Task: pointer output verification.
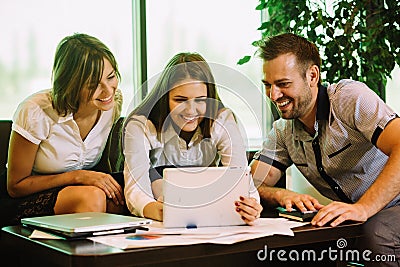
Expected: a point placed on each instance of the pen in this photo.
(142, 228)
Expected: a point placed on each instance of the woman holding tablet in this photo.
(181, 122)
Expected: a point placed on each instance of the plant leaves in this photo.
(244, 60)
(356, 40)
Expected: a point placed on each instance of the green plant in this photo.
(358, 39)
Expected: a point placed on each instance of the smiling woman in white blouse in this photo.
(59, 134)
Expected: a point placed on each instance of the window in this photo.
(392, 90)
(32, 29)
(222, 32)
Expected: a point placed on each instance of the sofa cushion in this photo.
(5, 130)
(112, 159)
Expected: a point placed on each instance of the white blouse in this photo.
(144, 148)
(61, 148)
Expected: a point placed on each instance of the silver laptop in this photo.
(203, 196)
(86, 224)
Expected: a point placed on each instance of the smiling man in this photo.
(342, 138)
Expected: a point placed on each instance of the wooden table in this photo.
(89, 253)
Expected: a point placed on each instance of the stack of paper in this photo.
(159, 236)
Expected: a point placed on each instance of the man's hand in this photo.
(292, 200)
(338, 212)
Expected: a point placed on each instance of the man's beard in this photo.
(299, 106)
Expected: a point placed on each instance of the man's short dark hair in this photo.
(305, 51)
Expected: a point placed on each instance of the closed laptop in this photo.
(86, 223)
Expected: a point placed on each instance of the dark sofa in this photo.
(5, 130)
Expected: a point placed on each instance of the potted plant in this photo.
(358, 39)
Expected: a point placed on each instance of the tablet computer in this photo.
(203, 196)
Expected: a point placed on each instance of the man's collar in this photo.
(323, 104)
(323, 109)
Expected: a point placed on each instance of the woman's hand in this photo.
(154, 210)
(104, 181)
(249, 209)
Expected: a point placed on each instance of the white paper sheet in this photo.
(36, 234)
